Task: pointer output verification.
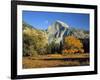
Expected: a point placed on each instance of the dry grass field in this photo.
(55, 60)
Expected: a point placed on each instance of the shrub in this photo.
(71, 42)
(72, 45)
(68, 51)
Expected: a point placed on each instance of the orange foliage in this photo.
(72, 43)
(73, 51)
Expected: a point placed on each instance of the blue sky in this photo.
(41, 20)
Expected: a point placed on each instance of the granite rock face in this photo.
(56, 32)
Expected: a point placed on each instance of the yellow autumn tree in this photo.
(70, 42)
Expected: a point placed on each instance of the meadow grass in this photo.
(55, 60)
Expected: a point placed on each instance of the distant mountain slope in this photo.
(81, 34)
(58, 30)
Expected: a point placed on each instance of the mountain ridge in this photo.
(58, 30)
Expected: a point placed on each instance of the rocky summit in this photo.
(56, 32)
